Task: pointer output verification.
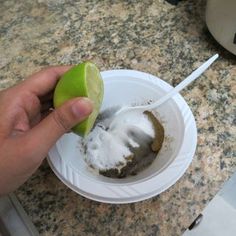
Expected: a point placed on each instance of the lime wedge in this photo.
(83, 80)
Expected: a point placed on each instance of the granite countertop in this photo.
(151, 36)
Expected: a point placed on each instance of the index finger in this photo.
(45, 80)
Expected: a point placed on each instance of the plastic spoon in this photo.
(193, 76)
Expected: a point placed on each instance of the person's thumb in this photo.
(60, 121)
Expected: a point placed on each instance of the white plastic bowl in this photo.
(126, 87)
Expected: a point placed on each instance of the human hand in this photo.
(27, 132)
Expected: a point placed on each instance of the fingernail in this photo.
(82, 107)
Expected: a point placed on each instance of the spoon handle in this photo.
(194, 75)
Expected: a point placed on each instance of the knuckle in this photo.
(61, 120)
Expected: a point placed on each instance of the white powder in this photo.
(107, 149)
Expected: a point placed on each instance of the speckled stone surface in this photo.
(150, 36)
